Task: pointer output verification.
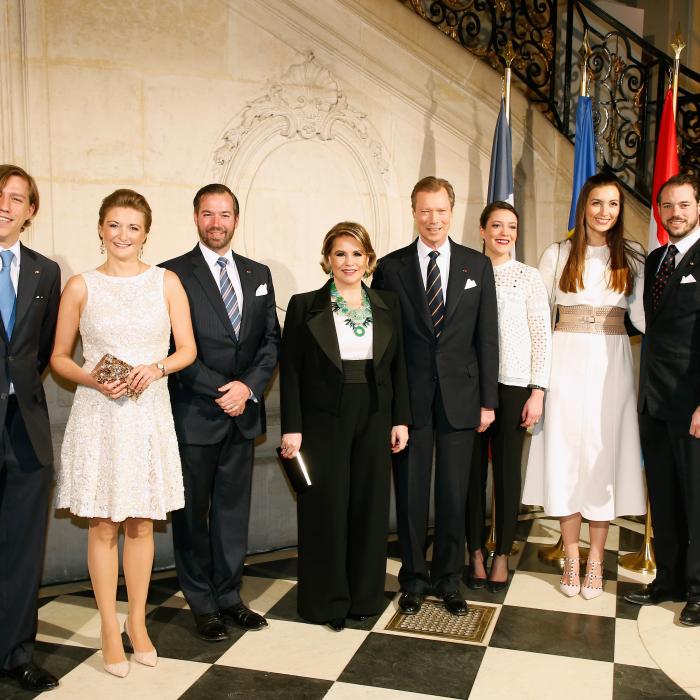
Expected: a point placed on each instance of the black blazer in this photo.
(24, 357)
(463, 362)
(669, 377)
(220, 357)
(311, 371)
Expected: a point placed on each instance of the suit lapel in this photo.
(245, 274)
(381, 326)
(29, 275)
(457, 279)
(689, 263)
(322, 327)
(413, 284)
(203, 275)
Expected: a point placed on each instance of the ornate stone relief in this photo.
(307, 103)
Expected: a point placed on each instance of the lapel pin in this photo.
(248, 271)
(691, 264)
(37, 272)
(464, 269)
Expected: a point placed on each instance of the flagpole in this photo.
(584, 53)
(508, 56)
(677, 45)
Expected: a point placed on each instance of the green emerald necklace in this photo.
(357, 319)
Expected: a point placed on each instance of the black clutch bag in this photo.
(295, 470)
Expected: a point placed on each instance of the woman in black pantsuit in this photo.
(524, 338)
(344, 392)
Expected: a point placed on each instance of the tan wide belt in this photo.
(608, 320)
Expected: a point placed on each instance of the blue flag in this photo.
(501, 173)
(584, 153)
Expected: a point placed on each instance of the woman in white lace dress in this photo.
(524, 339)
(585, 459)
(119, 460)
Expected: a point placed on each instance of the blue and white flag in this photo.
(501, 174)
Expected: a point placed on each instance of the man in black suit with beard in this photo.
(30, 287)
(219, 410)
(448, 303)
(669, 400)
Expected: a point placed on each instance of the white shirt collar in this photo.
(212, 256)
(687, 242)
(424, 250)
(15, 248)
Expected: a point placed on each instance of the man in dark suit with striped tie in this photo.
(448, 303)
(219, 410)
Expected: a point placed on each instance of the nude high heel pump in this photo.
(120, 669)
(146, 658)
(588, 590)
(570, 589)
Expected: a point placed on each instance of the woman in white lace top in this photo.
(524, 338)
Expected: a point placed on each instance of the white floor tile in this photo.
(629, 648)
(350, 691)
(505, 673)
(261, 594)
(536, 590)
(294, 648)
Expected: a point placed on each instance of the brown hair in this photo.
(356, 231)
(130, 200)
(215, 188)
(496, 206)
(432, 184)
(621, 278)
(7, 171)
(679, 181)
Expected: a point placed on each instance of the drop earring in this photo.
(102, 246)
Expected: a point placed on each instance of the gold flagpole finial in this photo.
(677, 45)
(584, 52)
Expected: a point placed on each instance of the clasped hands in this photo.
(138, 380)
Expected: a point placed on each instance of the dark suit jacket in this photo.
(220, 357)
(669, 379)
(24, 357)
(463, 362)
(311, 371)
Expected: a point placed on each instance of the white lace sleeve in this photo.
(539, 323)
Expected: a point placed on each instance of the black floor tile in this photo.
(522, 529)
(415, 665)
(174, 636)
(630, 540)
(224, 683)
(635, 683)
(279, 568)
(552, 632)
(625, 610)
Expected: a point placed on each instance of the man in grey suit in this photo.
(30, 287)
(219, 410)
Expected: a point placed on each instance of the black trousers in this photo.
(672, 461)
(412, 471)
(343, 519)
(25, 485)
(210, 534)
(506, 438)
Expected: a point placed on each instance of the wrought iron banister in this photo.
(629, 75)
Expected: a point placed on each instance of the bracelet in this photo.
(535, 386)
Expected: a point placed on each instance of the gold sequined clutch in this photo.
(110, 369)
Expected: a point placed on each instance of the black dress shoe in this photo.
(336, 625)
(497, 586)
(359, 618)
(653, 595)
(409, 603)
(244, 617)
(475, 582)
(210, 627)
(690, 615)
(32, 677)
(455, 604)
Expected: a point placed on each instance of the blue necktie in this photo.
(8, 297)
(228, 294)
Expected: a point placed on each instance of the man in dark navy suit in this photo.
(219, 410)
(30, 287)
(448, 304)
(669, 400)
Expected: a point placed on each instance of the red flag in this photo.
(665, 166)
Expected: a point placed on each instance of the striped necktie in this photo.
(8, 297)
(433, 290)
(662, 276)
(228, 294)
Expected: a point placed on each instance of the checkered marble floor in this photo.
(539, 645)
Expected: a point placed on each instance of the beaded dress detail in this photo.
(120, 458)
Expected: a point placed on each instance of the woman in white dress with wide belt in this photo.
(120, 463)
(585, 457)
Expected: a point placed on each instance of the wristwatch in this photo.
(161, 367)
(535, 386)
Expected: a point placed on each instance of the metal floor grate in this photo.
(435, 621)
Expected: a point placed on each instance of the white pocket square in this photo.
(470, 283)
(261, 291)
(688, 279)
